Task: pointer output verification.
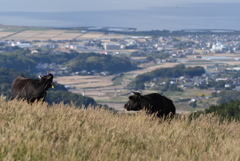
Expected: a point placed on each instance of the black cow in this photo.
(153, 103)
(31, 89)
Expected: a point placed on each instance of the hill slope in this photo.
(61, 132)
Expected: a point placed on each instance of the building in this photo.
(111, 46)
(219, 47)
(77, 47)
(48, 45)
(22, 45)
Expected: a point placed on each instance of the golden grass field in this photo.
(3, 34)
(53, 34)
(85, 81)
(61, 132)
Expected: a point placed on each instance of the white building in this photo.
(111, 46)
(219, 47)
(77, 47)
(22, 45)
(48, 45)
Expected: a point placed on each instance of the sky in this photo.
(94, 5)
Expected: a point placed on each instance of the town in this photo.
(217, 53)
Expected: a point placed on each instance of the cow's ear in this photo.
(49, 76)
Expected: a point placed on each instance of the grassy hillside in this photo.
(60, 132)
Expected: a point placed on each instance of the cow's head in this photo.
(47, 80)
(134, 102)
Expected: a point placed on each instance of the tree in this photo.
(174, 72)
(93, 61)
(228, 110)
(227, 96)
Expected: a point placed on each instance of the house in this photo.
(77, 47)
(48, 45)
(227, 85)
(197, 56)
(22, 45)
(111, 46)
(187, 85)
(219, 47)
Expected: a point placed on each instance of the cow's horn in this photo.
(136, 92)
(39, 76)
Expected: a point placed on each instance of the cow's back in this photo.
(19, 82)
(161, 103)
(18, 88)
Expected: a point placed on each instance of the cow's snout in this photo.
(52, 85)
(126, 106)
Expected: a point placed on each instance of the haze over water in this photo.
(189, 16)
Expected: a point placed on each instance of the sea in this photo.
(192, 16)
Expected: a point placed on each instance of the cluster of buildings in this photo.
(142, 45)
(202, 82)
(137, 46)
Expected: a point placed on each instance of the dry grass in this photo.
(55, 35)
(35, 35)
(91, 35)
(3, 34)
(86, 81)
(49, 34)
(58, 132)
(113, 36)
(24, 35)
(67, 36)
